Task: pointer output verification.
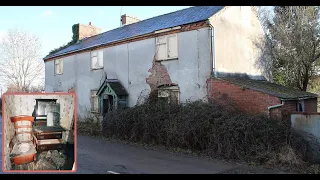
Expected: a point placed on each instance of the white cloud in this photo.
(46, 13)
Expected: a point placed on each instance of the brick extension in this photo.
(252, 101)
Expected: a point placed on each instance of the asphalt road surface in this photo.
(101, 156)
(96, 156)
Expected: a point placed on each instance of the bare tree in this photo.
(20, 58)
(290, 51)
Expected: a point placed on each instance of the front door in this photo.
(105, 105)
(110, 99)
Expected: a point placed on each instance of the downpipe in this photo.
(275, 106)
(213, 52)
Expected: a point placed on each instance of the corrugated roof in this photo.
(273, 89)
(177, 18)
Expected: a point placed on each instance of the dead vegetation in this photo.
(91, 126)
(210, 128)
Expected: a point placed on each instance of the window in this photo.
(94, 101)
(97, 59)
(58, 66)
(169, 94)
(167, 47)
(300, 106)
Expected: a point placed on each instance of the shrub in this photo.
(89, 126)
(209, 127)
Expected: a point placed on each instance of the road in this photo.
(97, 156)
(102, 156)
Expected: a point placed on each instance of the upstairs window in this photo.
(58, 66)
(167, 47)
(96, 59)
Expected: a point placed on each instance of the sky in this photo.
(53, 24)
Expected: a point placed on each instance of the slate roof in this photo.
(173, 19)
(115, 85)
(283, 92)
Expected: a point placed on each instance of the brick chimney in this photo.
(125, 20)
(85, 31)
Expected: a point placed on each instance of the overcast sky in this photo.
(53, 25)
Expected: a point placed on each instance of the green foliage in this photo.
(75, 38)
(292, 45)
(315, 88)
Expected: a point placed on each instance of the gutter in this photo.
(275, 106)
(213, 52)
(121, 40)
(298, 98)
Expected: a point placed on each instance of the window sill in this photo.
(58, 74)
(169, 59)
(93, 69)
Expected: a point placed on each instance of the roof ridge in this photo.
(140, 21)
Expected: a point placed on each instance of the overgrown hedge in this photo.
(215, 129)
(207, 127)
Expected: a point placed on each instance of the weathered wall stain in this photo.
(159, 75)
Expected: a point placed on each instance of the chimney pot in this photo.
(85, 30)
(125, 19)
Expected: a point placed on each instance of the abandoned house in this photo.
(201, 52)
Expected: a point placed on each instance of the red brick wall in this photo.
(310, 105)
(248, 100)
(254, 102)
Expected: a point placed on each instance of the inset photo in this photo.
(39, 132)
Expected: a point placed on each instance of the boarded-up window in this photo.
(94, 101)
(96, 59)
(167, 47)
(58, 66)
(169, 94)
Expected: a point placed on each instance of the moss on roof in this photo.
(267, 87)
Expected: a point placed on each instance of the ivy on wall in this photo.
(75, 38)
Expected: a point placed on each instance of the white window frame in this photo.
(168, 49)
(98, 54)
(58, 62)
(92, 96)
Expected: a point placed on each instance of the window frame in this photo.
(60, 63)
(98, 59)
(171, 94)
(167, 44)
(92, 110)
(300, 106)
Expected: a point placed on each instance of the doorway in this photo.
(107, 103)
